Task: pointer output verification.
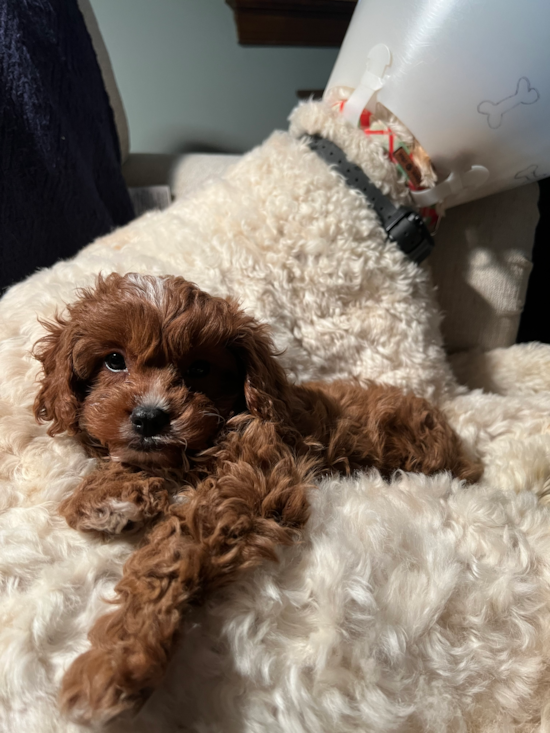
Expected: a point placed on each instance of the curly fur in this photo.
(243, 447)
(418, 608)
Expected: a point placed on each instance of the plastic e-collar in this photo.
(363, 97)
(378, 60)
(454, 183)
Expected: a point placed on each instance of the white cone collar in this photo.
(469, 78)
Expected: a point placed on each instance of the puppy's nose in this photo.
(149, 421)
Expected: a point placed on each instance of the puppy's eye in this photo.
(115, 362)
(198, 369)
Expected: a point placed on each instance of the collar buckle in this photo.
(407, 229)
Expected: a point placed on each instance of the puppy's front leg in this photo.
(254, 501)
(115, 499)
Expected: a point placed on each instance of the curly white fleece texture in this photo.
(417, 605)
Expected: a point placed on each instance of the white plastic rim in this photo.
(469, 78)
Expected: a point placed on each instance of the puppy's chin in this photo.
(167, 457)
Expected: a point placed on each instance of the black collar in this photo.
(403, 225)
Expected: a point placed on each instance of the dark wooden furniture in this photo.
(292, 23)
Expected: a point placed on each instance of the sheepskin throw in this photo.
(410, 606)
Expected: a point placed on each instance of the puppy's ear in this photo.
(57, 399)
(266, 387)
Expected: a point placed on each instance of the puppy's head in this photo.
(146, 368)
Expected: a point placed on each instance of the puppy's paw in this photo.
(113, 516)
(114, 500)
(90, 692)
(468, 470)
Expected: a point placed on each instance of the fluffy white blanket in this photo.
(418, 605)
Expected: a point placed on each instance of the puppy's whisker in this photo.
(217, 415)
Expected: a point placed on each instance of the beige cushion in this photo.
(481, 266)
(194, 171)
(184, 174)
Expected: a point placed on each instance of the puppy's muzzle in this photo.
(149, 421)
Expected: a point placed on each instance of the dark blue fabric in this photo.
(535, 323)
(60, 179)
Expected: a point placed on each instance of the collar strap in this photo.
(403, 225)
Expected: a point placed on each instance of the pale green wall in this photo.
(187, 85)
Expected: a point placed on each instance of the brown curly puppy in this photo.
(210, 447)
